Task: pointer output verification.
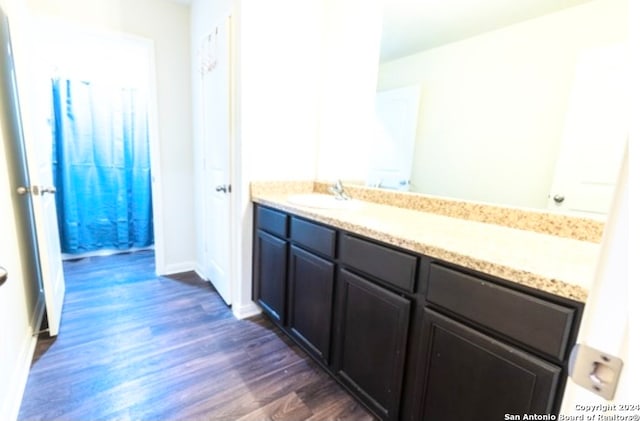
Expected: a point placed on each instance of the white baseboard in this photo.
(200, 272)
(11, 405)
(104, 252)
(245, 311)
(174, 268)
(19, 378)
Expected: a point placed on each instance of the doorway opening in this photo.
(101, 167)
(105, 163)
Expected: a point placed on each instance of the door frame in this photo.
(71, 30)
(607, 321)
(155, 158)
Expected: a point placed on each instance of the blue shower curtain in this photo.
(101, 167)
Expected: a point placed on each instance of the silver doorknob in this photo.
(3, 275)
(22, 190)
(558, 198)
(36, 190)
(223, 188)
(47, 189)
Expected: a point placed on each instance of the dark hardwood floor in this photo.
(136, 346)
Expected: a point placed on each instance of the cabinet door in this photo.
(270, 268)
(467, 375)
(370, 358)
(310, 298)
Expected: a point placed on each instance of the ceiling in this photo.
(410, 26)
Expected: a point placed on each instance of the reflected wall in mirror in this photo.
(510, 95)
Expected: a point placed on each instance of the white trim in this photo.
(38, 314)
(242, 227)
(104, 252)
(20, 374)
(200, 272)
(156, 162)
(605, 322)
(21, 370)
(173, 268)
(12, 402)
(246, 311)
(234, 158)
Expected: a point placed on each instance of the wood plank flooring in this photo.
(136, 346)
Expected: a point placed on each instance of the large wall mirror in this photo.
(519, 103)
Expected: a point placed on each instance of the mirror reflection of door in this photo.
(595, 130)
(394, 138)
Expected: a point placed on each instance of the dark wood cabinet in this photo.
(382, 263)
(311, 280)
(466, 375)
(371, 343)
(270, 274)
(412, 337)
(503, 310)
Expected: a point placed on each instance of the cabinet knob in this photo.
(558, 198)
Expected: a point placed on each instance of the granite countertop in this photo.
(560, 266)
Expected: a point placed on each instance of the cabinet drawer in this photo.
(313, 236)
(391, 266)
(532, 321)
(272, 221)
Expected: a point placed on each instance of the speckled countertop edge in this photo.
(556, 265)
(578, 228)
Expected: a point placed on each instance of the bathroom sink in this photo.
(322, 201)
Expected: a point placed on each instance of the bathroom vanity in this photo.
(411, 327)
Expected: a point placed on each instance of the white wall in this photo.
(279, 54)
(493, 106)
(167, 24)
(305, 84)
(350, 67)
(278, 98)
(275, 48)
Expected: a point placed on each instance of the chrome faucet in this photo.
(338, 191)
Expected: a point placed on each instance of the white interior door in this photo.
(39, 147)
(394, 138)
(46, 225)
(595, 130)
(33, 157)
(216, 118)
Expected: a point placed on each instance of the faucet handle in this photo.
(338, 191)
